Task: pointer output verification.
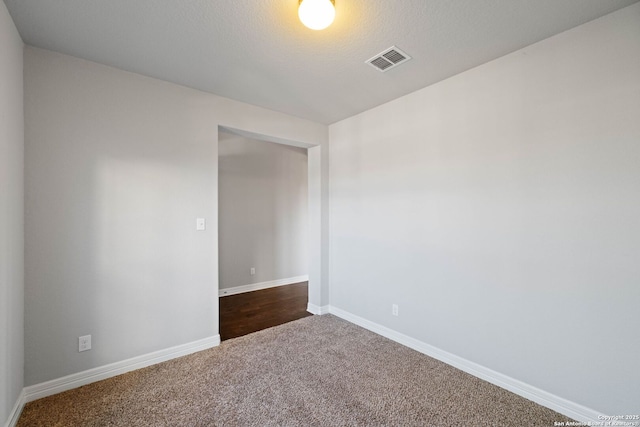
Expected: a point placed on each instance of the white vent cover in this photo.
(388, 59)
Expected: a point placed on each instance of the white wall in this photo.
(11, 216)
(500, 209)
(262, 208)
(118, 167)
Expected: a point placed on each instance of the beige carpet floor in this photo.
(317, 371)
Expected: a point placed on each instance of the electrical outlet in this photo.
(394, 309)
(84, 343)
(253, 271)
(201, 224)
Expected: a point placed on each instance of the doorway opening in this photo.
(263, 233)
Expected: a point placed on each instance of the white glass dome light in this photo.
(317, 14)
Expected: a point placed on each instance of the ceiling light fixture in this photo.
(317, 14)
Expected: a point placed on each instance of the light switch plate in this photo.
(201, 224)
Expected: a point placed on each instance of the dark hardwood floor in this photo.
(249, 312)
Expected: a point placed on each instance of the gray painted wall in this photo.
(11, 215)
(262, 208)
(118, 168)
(500, 210)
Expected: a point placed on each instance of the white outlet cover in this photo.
(201, 224)
(84, 343)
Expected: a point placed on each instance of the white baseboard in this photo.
(14, 415)
(316, 309)
(69, 382)
(225, 292)
(551, 401)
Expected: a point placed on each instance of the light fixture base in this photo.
(332, 1)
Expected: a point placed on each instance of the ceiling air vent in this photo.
(388, 59)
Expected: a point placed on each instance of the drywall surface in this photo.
(262, 208)
(118, 168)
(11, 216)
(499, 209)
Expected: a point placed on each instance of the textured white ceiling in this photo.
(257, 51)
